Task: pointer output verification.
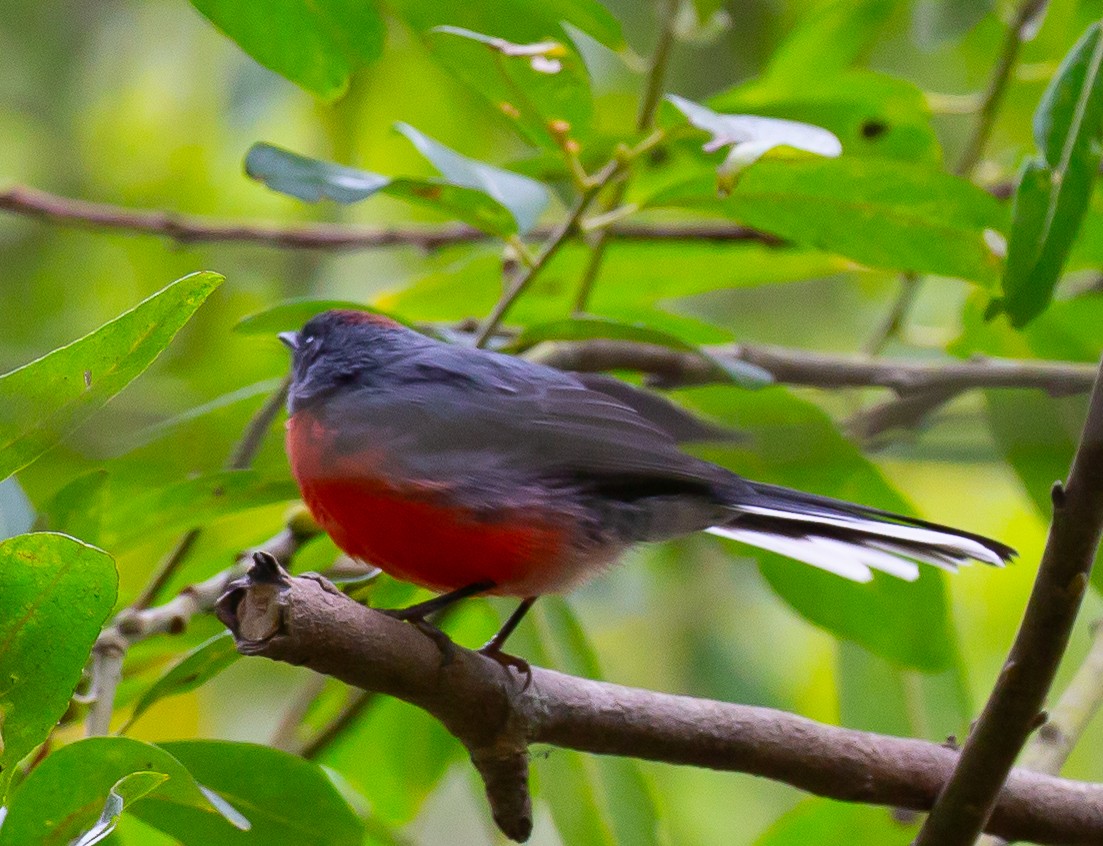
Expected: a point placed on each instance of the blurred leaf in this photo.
(525, 198)
(126, 790)
(317, 44)
(63, 795)
(1054, 189)
(313, 180)
(751, 137)
(129, 520)
(830, 38)
(535, 85)
(797, 445)
(823, 821)
(517, 20)
(879, 212)
(871, 692)
(870, 113)
(292, 314)
(937, 21)
(593, 799)
(192, 671)
(41, 402)
(16, 511)
(589, 328)
(286, 799)
(56, 594)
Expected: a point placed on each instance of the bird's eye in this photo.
(309, 340)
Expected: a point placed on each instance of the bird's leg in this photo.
(416, 614)
(493, 647)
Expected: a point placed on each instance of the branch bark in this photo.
(192, 229)
(1013, 709)
(497, 716)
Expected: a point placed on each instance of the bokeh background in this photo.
(143, 103)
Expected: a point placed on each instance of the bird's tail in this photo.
(851, 540)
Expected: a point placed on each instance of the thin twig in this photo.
(244, 451)
(1013, 709)
(1050, 747)
(337, 727)
(192, 229)
(894, 320)
(645, 119)
(497, 714)
(528, 273)
(133, 625)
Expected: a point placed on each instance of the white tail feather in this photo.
(945, 544)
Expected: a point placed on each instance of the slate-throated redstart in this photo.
(472, 472)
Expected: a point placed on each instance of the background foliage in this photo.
(144, 103)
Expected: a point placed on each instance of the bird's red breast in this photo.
(416, 530)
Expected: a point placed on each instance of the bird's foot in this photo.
(444, 643)
(494, 651)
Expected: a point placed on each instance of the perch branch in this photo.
(1013, 709)
(194, 229)
(491, 710)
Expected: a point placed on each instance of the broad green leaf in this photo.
(64, 795)
(317, 44)
(525, 198)
(871, 113)
(824, 821)
(520, 21)
(192, 671)
(1054, 189)
(587, 328)
(794, 443)
(293, 314)
(56, 591)
(286, 799)
(879, 212)
(750, 137)
(938, 21)
(872, 694)
(16, 511)
(125, 791)
(830, 38)
(313, 180)
(42, 402)
(129, 521)
(593, 799)
(537, 86)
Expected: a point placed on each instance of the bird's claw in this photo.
(495, 653)
(444, 643)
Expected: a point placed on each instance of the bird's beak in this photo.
(290, 339)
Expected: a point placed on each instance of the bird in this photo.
(472, 472)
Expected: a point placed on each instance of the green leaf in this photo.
(126, 790)
(588, 328)
(935, 22)
(1054, 190)
(525, 198)
(796, 444)
(192, 671)
(823, 821)
(317, 44)
(534, 85)
(63, 795)
(879, 212)
(521, 21)
(750, 137)
(871, 113)
(128, 521)
(42, 402)
(56, 591)
(832, 37)
(286, 799)
(313, 180)
(293, 313)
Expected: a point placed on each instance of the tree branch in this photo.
(496, 715)
(1012, 711)
(192, 229)
(671, 368)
